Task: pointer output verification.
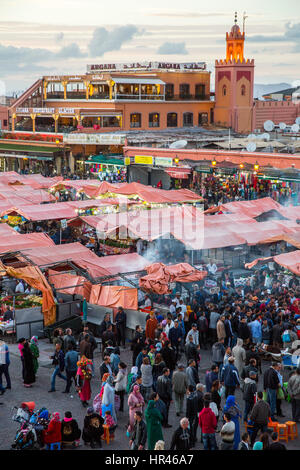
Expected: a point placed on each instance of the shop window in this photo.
(202, 119)
(169, 90)
(200, 91)
(184, 90)
(154, 120)
(243, 90)
(188, 119)
(172, 120)
(4, 122)
(135, 120)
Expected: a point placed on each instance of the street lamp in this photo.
(214, 163)
(256, 166)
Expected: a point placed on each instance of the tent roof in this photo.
(25, 242)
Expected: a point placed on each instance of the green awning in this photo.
(28, 148)
(106, 160)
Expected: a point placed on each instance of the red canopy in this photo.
(160, 276)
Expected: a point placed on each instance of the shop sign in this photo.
(148, 66)
(143, 159)
(127, 160)
(163, 161)
(43, 110)
(103, 139)
(22, 110)
(66, 110)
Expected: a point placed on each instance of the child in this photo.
(108, 419)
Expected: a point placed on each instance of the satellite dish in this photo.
(251, 147)
(251, 136)
(297, 120)
(282, 125)
(269, 126)
(265, 136)
(295, 128)
(179, 144)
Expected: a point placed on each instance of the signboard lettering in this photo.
(143, 159)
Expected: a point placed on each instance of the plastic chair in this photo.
(292, 429)
(273, 425)
(106, 433)
(283, 432)
(54, 446)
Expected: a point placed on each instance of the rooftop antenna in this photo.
(244, 19)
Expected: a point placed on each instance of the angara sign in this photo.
(102, 139)
(148, 66)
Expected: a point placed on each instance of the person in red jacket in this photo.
(53, 433)
(151, 326)
(208, 425)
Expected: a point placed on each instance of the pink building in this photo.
(3, 117)
(276, 111)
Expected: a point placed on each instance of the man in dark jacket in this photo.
(228, 331)
(139, 434)
(271, 385)
(202, 324)
(192, 413)
(251, 367)
(137, 343)
(181, 437)
(266, 332)
(277, 331)
(250, 390)
(260, 416)
(176, 337)
(85, 347)
(192, 373)
(169, 356)
(108, 335)
(211, 376)
(59, 363)
(244, 331)
(164, 390)
(105, 367)
(71, 359)
(218, 352)
(191, 351)
(120, 320)
(104, 324)
(230, 377)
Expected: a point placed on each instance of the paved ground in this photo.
(62, 402)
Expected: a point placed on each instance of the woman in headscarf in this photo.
(29, 375)
(70, 432)
(154, 425)
(136, 402)
(108, 398)
(52, 434)
(83, 380)
(35, 352)
(233, 409)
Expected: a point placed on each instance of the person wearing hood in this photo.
(239, 354)
(136, 402)
(70, 432)
(108, 398)
(92, 428)
(208, 425)
(250, 389)
(52, 434)
(232, 408)
(35, 352)
(154, 425)
(29, 375)
(192, 413)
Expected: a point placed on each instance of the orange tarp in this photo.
(114, 296)
(34, 277)
(160, 276)
(290, 261)
(70, 284)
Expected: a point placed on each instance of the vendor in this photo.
(8, 314)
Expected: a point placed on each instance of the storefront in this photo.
(109, 168)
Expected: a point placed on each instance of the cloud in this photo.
(106, 41)
(70, 51)
(188, 14)
(59, 37)
(291, 34)
(172, 48)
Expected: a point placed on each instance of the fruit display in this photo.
(22, 301)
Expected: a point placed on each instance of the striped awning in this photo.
(179, 173)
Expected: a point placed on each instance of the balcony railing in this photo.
(188, 97)
(123, 96)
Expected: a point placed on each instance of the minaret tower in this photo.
(234, 80)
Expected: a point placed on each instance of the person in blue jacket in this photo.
(233, 409)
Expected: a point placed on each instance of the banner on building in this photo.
(101, 139)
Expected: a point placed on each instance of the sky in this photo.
(62, 36)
